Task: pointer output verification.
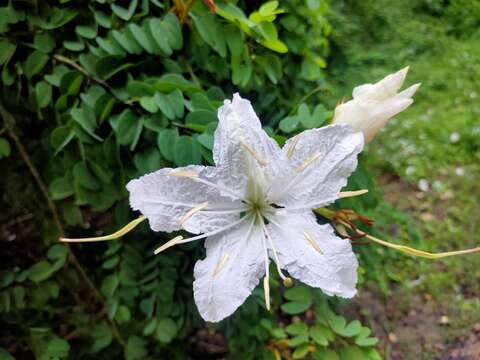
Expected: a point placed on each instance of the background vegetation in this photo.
(95, 94)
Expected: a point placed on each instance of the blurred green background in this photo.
(96, 93)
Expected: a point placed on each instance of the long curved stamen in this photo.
(192, 212)
(266, 279)
(117, 234)
(274, 251)
(176, 240)
(347, 194)
(168, 244)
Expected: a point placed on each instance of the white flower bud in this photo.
(374, 104)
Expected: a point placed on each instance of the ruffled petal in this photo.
(230, 271)
(319, 163)
(242, 149)
(165, 200)
(313, 254)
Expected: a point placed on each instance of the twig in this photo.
(9, 122)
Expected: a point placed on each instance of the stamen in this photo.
(275, 254)
(221, 264)
(215, 232)
(252, 152)
(266, 279)
(346, 194)
(168, 244)
(312, 242)
(293, 145)
(117, 234)
(266, 291)
(182, 173)
(308, 162)
(192, 212)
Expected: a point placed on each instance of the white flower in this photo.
(374, 104)
(255, 205)
(454, 137)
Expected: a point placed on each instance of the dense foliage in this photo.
(95, 94)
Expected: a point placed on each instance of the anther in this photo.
(346, 194)
(180, 173)
(168, 244)
(288, 282)
(266, 291)
(252, 152)
(192, 212)
(308, 162)
(221, 264)
(293, 145)
(312, 242)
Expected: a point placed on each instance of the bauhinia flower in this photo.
(374, 104)
(254, 205)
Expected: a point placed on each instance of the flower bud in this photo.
(374, 104)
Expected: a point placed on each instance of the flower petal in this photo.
(242, 146)
(230, 271)
(318, 166)
(313, 254)
(165, 200)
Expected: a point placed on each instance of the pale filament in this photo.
(275, 254)
(192, 212)
(346, 194)
(312, 242)
(177, 240)
(266, 279)
(254, 154)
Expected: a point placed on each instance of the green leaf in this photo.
(57, 252)
(122, 13)
(159, 34)
(186, 151)
(5, 149)
(109, 285)
(300, 352)
(167, 139)
(40, 271)
(87, 31)
(295, 307)
(298, 340)
(84, 176)
(43, 92)
(201, 117)
(326, 354)
(4, 355)
(35, 62)
(61, 188)
(142, 38)
(125, 126)
(44, 42)
(289, 124)
(150, 327)
(176, 101)
(126, 40)
(58, 348)
(147, 161)
(173, 31)
(60, 137)
(149, 103)
(318, 335)
(298, 293)
(136, 348)
(103, 337)
(278, 333)
(166, 330)
(350, 352)
(85, 117)
(110, 65)
(111, 263)
(71, 82)
(164, 105)
(297, 328)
